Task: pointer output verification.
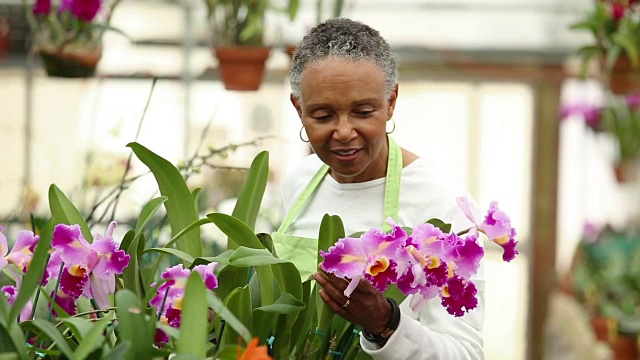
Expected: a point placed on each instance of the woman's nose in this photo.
(344, 131)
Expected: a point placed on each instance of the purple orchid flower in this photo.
(41, 7)
(83, 10)
(497, 227)
(373, 256)
(171, 292)
(11, 292)
(89, 269)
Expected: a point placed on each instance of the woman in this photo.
(344, 82)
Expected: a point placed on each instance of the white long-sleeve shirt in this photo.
(425, 193)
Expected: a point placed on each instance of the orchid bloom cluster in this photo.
(428, 263)
(170, 294)
(68, 22)
(20, 256)
(82, 268)
(85, 269)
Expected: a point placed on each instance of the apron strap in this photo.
(391, 191)
(303, 197)
(392, 186)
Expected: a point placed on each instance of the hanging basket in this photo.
(242, 68)
(70, 64)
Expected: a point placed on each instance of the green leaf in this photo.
(194, 225)
(52, 333)
(194, 195)
(235, 277)
(285, 304)
(79, 326)
(9, 356)
(5, 309)
(446, 228)
(148, 211)
(244, 256)
(127, 239)
(188, 259)
(229, 317)
(237, 231)
(31, 280)
(251, 194)
(119, 351)
(222, 259)
(179, 205)
(267, 242)
(64, 212)
(239, 303)
(134, 325)
(131, 273)
(12, 339)
(93, 339)
(294, 5)
(193, 321)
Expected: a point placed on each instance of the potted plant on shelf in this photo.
(615, 29)
(323, 12)
(605, 278)
(68, 36)
(238, 39)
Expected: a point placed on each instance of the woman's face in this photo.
(344, 111)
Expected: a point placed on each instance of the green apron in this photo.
(302, 252)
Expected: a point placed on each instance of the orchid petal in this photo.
(71, 244)
(100, 288)
(111, 260)
(207, 273)
(463, 203)
(4, 248)
(352, 286)
(74, 280)
(417, 302)
(67, 303)
(22, 251)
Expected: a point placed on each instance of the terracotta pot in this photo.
(624, 79)
(4, 37)
(290, 49)
(242, 68)
(70, 64)
(627, 171)
(624, 347)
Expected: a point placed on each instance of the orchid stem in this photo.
(219, 337)
(97, 307)
(164, 300)
(55, 290)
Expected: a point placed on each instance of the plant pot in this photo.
(624, 79)
(290, 49)
(624, 347)
(70, 63)
(627, 171)
(241, 68)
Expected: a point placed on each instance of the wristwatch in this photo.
(391, 326)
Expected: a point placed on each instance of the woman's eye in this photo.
(322, 117)
(366, 113)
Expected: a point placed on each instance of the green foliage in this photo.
(611, 37)
(623, 122)
(606, 276)
(241, 22)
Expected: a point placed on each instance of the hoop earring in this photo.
(301, 138)
(394, 126)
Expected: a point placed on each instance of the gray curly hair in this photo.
(345, 39)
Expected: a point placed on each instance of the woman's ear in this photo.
(296, 104)
(392, 101)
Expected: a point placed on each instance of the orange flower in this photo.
(254, 352)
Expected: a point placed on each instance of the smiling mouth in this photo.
(346, 152)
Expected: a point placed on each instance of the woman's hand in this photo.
(367, 306)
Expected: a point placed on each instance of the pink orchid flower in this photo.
(11, 292)
(497, 227)
(89, 269)
(373, 256)
(170, 294)
(22, 251)
(437, 261)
